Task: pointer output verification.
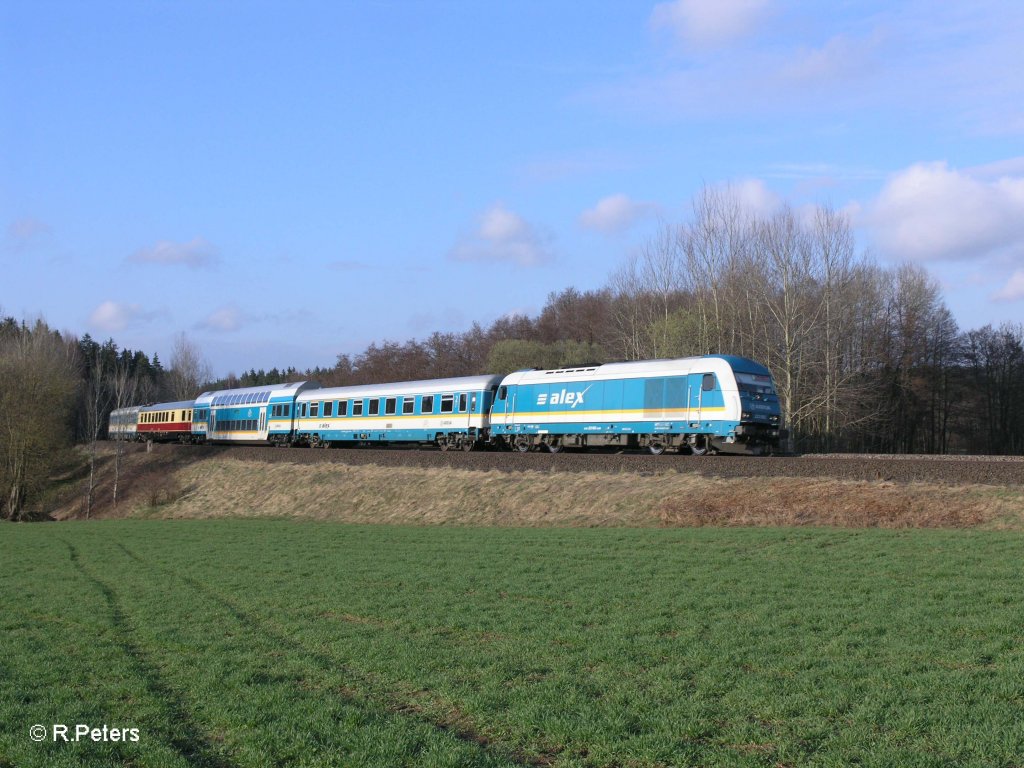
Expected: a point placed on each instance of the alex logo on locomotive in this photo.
(565, 397)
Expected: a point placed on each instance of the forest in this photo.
(866, 357)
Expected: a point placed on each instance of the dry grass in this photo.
(220, 487)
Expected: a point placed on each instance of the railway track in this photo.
(948, 470)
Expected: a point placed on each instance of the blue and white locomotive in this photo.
(693, 405)
(697, 405)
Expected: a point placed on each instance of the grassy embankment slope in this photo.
(189, 484)
(255, 643)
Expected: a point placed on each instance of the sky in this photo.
(284, 182)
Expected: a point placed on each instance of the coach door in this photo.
(694, 397)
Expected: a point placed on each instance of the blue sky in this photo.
(288, 181)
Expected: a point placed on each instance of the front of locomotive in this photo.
(760, 414)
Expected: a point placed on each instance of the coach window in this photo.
(427, 405)
(328, 409)
(408, 405)
(314, 410)
(447, 403)
(708, 383)
(390, 406)
(343, 407)
(357, 407)
(374, 407)
(462, 402)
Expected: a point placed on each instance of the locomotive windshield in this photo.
(755, 384)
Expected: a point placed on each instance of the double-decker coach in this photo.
(694, 405)
(252, 415)
(451, 413)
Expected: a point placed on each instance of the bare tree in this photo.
(97, 398)
(715, 246)
(123, 387)
(189, 369)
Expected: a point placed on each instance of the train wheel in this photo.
(468, 445)
(554, 447)
(656, 448)
(521, 444)
(443, 444)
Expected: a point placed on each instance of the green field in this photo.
(254, 643)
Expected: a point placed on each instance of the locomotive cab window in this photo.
(502, 392)
(708, 382)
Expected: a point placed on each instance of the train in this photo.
(692, 405)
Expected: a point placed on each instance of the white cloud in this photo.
(615, 213)
(349, 265)
(226, 319)
(707, 23)
(26, 228)
(24, 233)
(503, 235)
(755, 197)
(841, 58)
(931, 212)
(112, 316)
(1014, 288)
(952, 65)
(196, 253)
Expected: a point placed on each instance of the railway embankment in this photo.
(429, 487)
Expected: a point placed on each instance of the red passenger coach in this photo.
(164, 422)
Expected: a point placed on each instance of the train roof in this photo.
(424, 387)
(128, 409)
(288, 389)
(176, 406)
(639, 369)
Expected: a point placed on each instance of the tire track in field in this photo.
(191, 744)
(457, 725)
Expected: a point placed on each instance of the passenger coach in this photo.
(124, 423)
(694, 405)
(452, 413)
(164, 422)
